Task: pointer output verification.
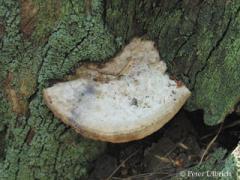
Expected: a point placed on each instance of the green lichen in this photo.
(76, 38)
(195, 50)
(231, 167)
(37, 145)
(123, 14)
(199, 40)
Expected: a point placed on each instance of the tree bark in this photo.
(198, 39)
(43, 41)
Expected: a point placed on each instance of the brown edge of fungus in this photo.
(119, 138)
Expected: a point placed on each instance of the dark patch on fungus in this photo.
(134, 102)
(89, 89)
(173, 92)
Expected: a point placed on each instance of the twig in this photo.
(183, 146)
(122, 163)
(210, 144)
(174, 147)
(163, 159)
(235, 123)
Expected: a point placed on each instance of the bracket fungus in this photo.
(124, 99)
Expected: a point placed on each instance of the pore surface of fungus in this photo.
(122, 100)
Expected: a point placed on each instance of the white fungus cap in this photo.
(127, 98)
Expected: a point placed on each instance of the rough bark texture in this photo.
(41, 41)
(198, 39)
(45, 46)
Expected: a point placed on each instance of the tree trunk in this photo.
(42, 41)
(198, 39)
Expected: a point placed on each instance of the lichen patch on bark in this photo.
(199, 40)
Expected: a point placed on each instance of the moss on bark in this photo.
(199, 40)
(35, 145)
